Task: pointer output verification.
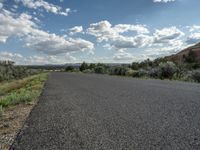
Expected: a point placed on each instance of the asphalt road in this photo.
(99, 112)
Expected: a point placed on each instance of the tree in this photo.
(191, 57)
(146, 64)
(135, 65)
(69, 68)
(84, 66)
(100, 69)
(91, 66)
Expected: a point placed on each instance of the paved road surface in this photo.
(97, 112)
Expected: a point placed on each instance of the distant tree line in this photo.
(188, 70)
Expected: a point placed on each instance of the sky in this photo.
(39, 32)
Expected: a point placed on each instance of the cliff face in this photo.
(180, 56)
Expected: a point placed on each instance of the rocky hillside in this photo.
(182, 55)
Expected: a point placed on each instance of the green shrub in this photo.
(140, 73)
(145, 64)
(167, 69)
(91, 66)
(100, 69)
(9, 72)
(196, 76)
(154, 73)
(88, 71)
(135, 65)
(135, 74)
(1, 110)
(181, 70)
(69, 69)
(191, 57)
(119, 70)
(129, 72)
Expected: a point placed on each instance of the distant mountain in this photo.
(182, 55)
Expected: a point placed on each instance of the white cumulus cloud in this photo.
(193, 28)
(163, 1)
(19, 59)
(104, 31)
(23, 27)
(35, 4)
(193, 38)
(166, 34)
(75, 30)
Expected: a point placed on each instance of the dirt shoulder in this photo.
(11, 122)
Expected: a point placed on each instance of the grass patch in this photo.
(15, 85)
(1, 110)
(22, 91)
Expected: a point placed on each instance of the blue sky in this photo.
(110, 31)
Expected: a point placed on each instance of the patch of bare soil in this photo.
(11, 122)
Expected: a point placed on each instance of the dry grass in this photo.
(25, 90)
(18, 99)
(14, 85)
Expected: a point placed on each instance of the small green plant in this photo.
(196, 76)
(28, 92)
(1, 110)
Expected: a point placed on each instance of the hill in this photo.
(193, 51)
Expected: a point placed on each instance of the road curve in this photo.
(100, 112)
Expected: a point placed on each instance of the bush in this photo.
(9, 72)
(91, 66)
(69, 69)
(119, 70)
(181, 70)
(167, 69)
(129, 72)
(100, 69)
(88, 71)
(154, 73)
(191, 57)
(135, 65)
(140, 73)
(196, 76)
(1, 110)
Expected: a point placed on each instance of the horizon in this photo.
(41, 32)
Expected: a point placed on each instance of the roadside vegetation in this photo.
(161, 68)
(21, 91)
(20, 87)
(18, 84)
(9, 71)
